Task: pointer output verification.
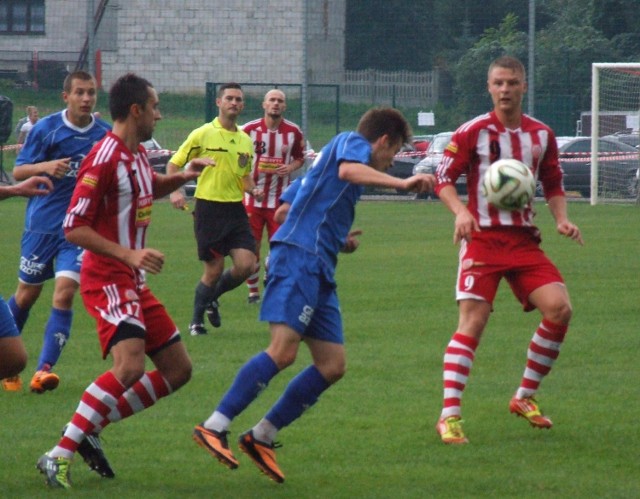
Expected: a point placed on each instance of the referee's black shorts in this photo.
(221, 227)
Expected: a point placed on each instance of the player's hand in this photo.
(178, 200)
(570, 230)
(58, 168)
(34, 186)
(422, 182)
(199, 164)
(464, 226)
(257, 194)
(352, 243)
(147, 259)
(284, 170)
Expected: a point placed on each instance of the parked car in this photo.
(631, 138)
(618, 173)
(421, 142)
(158, 156)
(430, 162)
(408, 156)
(403, 162)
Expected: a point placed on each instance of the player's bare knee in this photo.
(561, 313)
(333, 371)
(284, 359)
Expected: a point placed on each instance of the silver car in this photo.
(434, 154)
(618, 162)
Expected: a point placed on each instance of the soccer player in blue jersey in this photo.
(13, 355)
(54, 147)
(300, 301)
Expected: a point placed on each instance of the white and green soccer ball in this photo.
(508, 184)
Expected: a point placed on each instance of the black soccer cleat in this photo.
(213, 314)
(91, 451)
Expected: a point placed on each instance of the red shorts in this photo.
(259, 218)
(510, 253)
(124, 302)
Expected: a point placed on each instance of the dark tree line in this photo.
(460, 37)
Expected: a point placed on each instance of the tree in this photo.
(471, 71)
(565, 51)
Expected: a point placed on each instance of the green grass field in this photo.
(372, 435)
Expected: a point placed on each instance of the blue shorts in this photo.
(301, 292)
(8, 326)
(44, 256)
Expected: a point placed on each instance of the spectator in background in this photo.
(32, 118)
(21, 121)
(278, 151)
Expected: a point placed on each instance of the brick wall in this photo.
(210, 40)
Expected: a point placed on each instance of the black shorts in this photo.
(221, 227)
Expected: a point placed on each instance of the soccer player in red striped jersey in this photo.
(278, 153)
(108, 216)
(498, 244)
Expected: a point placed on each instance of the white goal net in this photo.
(615, 132)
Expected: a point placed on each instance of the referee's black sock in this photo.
(226, 283)
(203, 296)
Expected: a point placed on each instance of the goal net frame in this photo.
(596, 68)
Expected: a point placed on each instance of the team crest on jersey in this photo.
(90, 180)
(285, 149)
(243, 159)
(452, 147)
(130, 294)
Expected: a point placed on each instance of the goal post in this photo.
(615, 112)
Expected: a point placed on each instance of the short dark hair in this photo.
(508, 62)
(76, 75)
(226, 86)
(381, 121)
(127, 90)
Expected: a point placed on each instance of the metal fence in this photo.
(406, 88)
(37, 68)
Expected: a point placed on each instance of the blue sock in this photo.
(56, 334)
(19, 315)
(251, 379)
(301, 393)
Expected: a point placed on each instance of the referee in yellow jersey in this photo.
(220, 221)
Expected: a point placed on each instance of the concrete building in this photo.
(179, 45)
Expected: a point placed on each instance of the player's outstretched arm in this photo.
(423, 182)
(33, 186)
(56, 168)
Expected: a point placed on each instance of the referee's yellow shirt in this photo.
(233, 154)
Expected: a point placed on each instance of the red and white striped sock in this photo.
(97, 401)
(541, 355)
(143, 394)
(458, 359)
(253, 282)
